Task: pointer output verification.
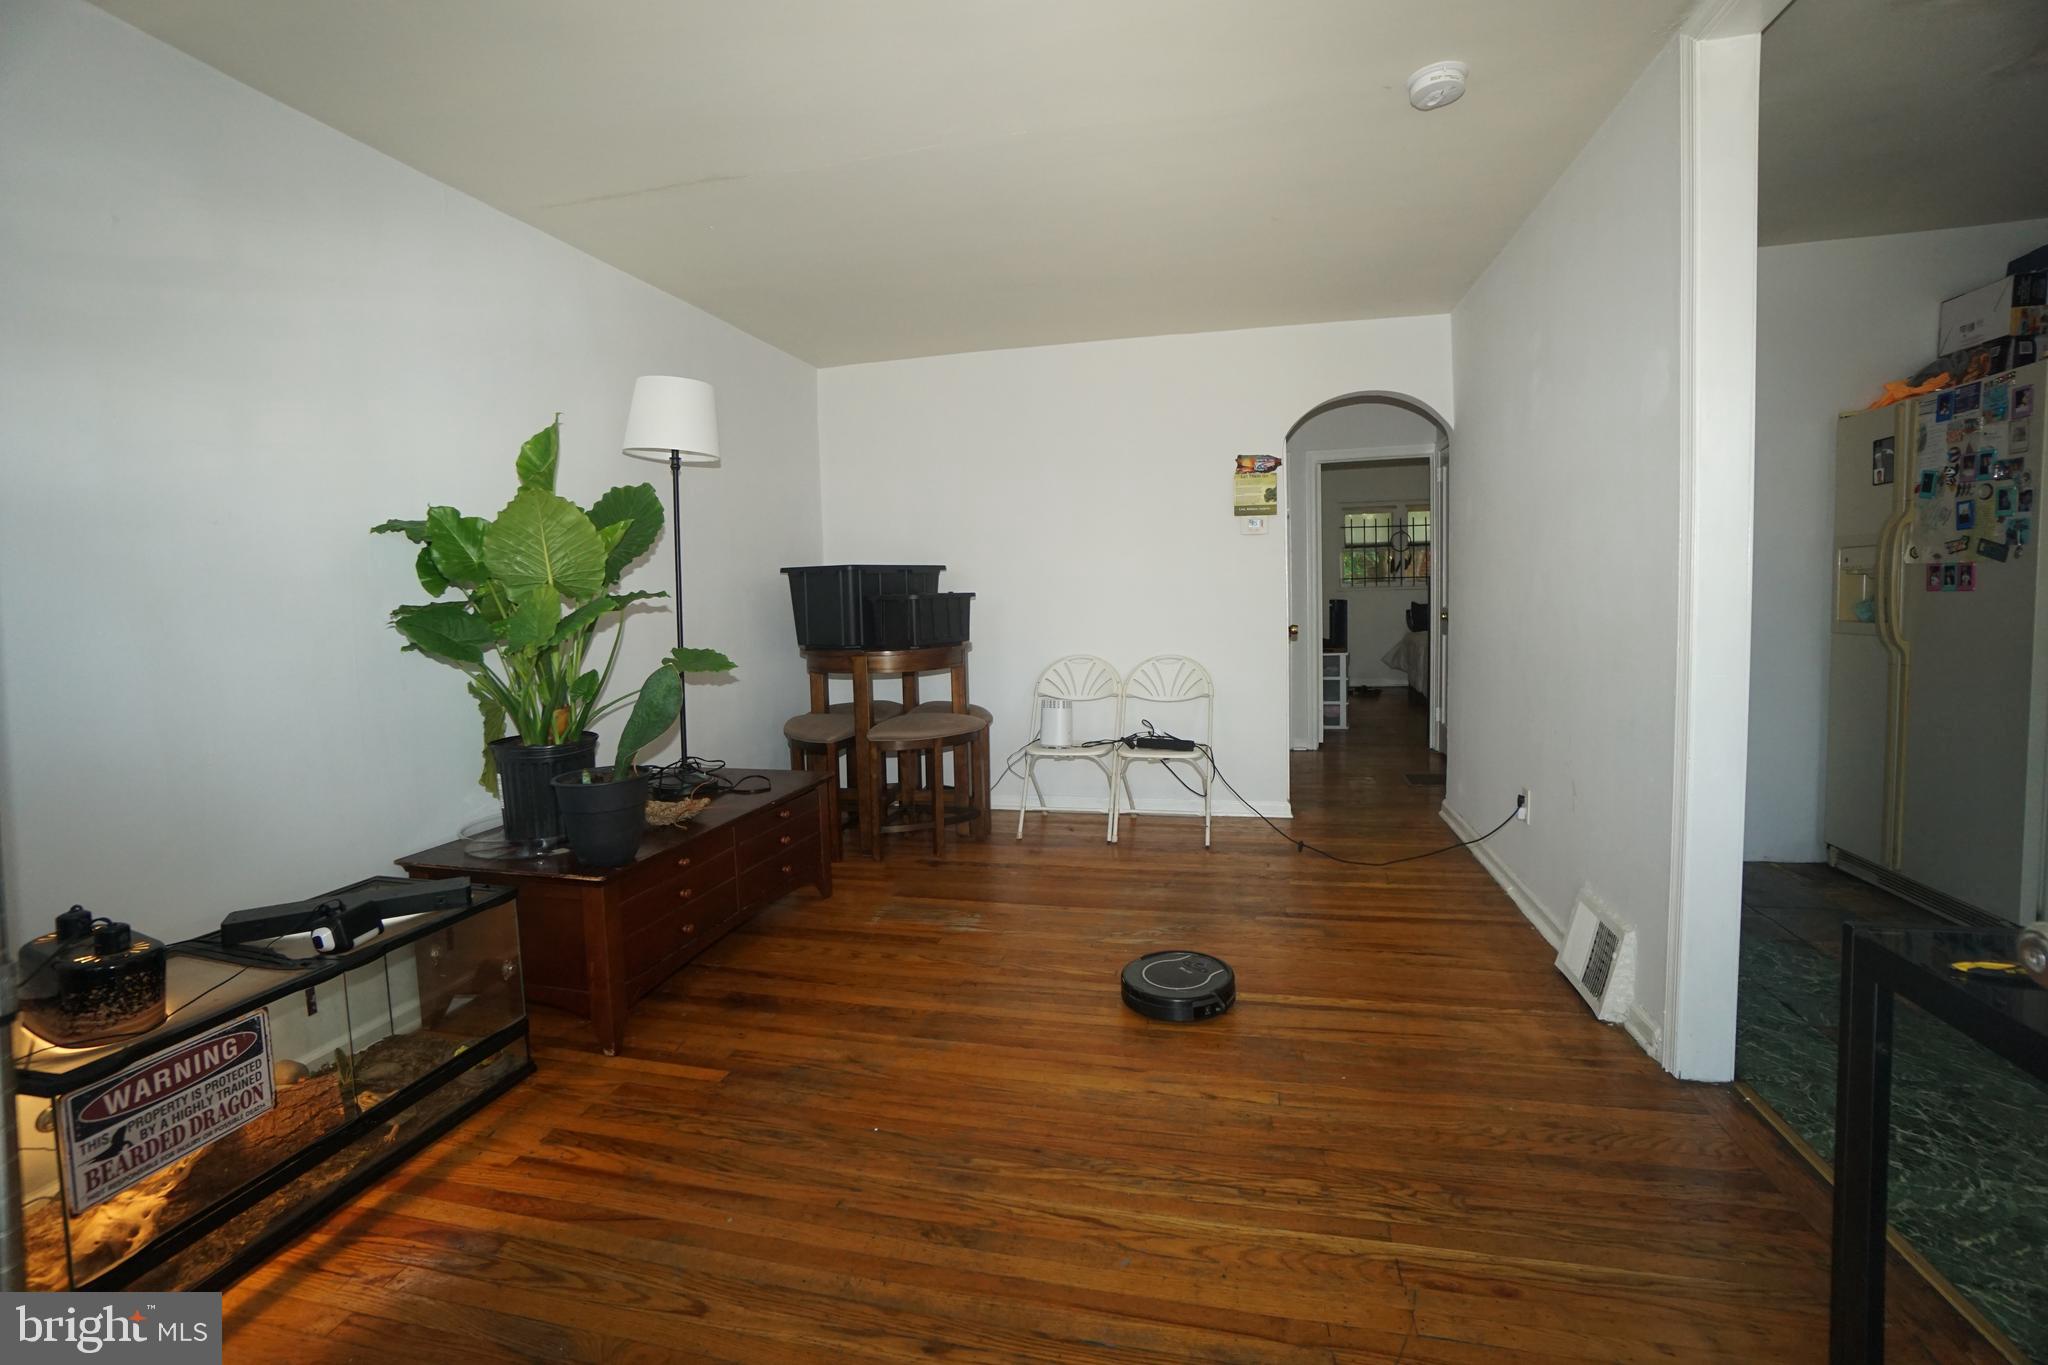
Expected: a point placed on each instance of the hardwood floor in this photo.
(916, 1121)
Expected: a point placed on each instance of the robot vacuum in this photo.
(1179, 986)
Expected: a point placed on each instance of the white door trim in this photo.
(1312, 535)
(1718, 85)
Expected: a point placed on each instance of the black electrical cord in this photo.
(699, 777)
(1301, 845)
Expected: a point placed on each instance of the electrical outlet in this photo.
(1522, 806)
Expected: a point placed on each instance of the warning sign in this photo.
(165, 1107)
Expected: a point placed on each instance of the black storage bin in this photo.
(914, 620)
(826, 598)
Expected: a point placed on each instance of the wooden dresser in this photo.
(596, 939)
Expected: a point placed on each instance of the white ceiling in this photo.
(1902, 115)
(907, 177)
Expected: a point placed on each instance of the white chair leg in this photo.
(1130, 798)
(1116, 765)
(1024, 794)
(1206, 786)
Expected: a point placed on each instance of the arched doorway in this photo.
(1354, 431)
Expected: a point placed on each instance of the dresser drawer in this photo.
(690, 888)
(702, 862)
(663, 941)
(792, 867)
(802, 812)
(775, 842)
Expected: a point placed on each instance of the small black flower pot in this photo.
(602, 817)
(524, 774)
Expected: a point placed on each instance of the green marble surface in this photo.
(1969, 1157)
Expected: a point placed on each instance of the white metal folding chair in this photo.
(1177, 682)
(1074, 679)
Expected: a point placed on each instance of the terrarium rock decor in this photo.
(530, 589)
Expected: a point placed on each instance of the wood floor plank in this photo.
(915, 1121)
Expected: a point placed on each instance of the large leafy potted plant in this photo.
(605, 809)
(532, 586)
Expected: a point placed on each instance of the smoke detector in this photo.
(1436, 85)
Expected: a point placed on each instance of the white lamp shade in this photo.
(673, 416)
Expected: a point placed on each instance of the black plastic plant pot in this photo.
(524, 772)
(603, 816)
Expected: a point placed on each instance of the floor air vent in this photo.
(1599, 959)
(1926, 897)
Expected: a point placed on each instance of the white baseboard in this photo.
(1548, 923)
(1390, 680)
(1223, 805)
(1647, 1032)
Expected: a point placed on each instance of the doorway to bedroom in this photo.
(1367, 478)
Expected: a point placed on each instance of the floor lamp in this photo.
(675, 420)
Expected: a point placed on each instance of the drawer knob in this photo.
(689, 929)
(784, 813)
(682, 862)
(687, 892)
(787, 838)
(788, 868)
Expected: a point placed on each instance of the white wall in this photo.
(1835, 320)
(1377, 615)
(1083, 492)
(1566, 584)
(231, 340)
(1602, 480)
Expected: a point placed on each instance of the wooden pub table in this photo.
(863, 666)
(596, 939)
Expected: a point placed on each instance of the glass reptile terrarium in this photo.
(286, 1073)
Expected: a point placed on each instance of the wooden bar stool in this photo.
(825, 736)
(919, 738)
(816, 741)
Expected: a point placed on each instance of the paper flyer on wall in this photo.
(1255, 486)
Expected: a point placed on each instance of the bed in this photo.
(1410, 655)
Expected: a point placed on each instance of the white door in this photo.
(1440, 622)
(1305, 632)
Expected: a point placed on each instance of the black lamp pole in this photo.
(675, 502)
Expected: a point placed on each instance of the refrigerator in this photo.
(1937, 736)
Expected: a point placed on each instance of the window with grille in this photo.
(1384, 546)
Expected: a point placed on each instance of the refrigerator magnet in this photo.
(1944, 405)
(1948, 578)
(1927, 483)
(1997, 397)
(1966, 513)
(1934, 578)
(2026, 500)
(1966, 577)
(2021, 439)
(1970, 397)
(2022, 401)
(2020, 530)
(2003, 502)
(1956, 546)
(1992, 549)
